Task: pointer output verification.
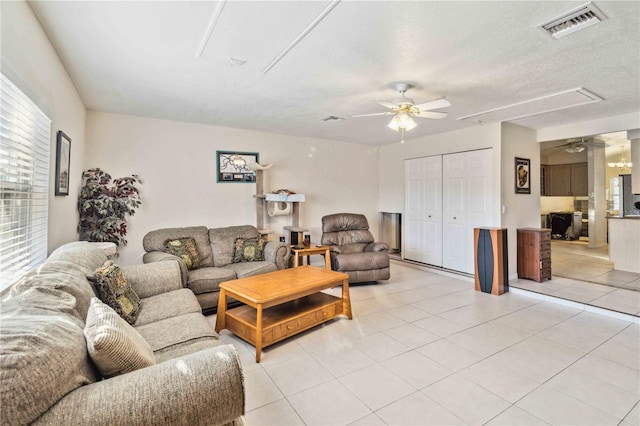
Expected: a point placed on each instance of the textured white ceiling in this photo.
(139, 58)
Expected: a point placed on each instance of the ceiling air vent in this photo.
(572, 21)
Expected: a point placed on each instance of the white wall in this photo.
(556, 204)
(177, 162)
(29, 60)
(599, 126)
(519, 210)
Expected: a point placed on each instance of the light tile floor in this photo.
(574, 259)
(586, 276)
(425, 348)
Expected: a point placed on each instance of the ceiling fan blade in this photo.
(438, 103)
(432, 114)
(594, 144)
(375, 113)
(387, 104)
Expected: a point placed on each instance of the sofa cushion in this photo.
(84, 254)
(172, 331)
(185, 249)
(43, 355)
(169, 304)
(223, 242)
(114, 290)
(154, 241)
(64, 276)
(114, 345)
(247, 269)
(249, 249)
(205, 280)
(186, 348)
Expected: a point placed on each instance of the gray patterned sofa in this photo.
(48, 375)
(216, 249)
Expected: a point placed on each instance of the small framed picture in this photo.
(233, 166)
(63, 161)
(523, 175)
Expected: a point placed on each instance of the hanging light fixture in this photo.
(402, 120)
(574, 148)
(622, 164)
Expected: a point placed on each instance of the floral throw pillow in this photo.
(249, 249)
(114, 290)
(185, 249)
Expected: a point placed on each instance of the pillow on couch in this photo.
(114, 346)
(185, 249)
(249, 249)
(115, 291)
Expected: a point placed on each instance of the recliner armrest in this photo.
(377, 247)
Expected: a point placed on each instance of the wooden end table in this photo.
(308, 251)
(281, 304)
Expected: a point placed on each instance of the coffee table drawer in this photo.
(326, 313)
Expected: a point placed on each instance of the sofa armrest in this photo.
(153, 278)
(278, 253)
(202, 388)
(161, 256)
(377, 247)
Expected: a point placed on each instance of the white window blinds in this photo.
(25, 134)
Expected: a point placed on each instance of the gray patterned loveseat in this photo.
(217, 252)
(66, 358)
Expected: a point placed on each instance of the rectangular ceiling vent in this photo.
(572, 21)
(548, 103)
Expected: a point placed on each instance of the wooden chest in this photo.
(534, 253)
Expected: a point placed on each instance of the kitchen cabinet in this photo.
(564, 180)
(579, 180)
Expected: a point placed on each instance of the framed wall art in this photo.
(233, 166)
(63, 162)
(523, 175)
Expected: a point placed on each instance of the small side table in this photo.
(308, 251)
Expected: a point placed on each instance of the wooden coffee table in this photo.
(281, 304)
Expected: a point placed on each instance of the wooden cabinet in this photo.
(565, 180)
(534, 253)
(579, 179)
(559, 180)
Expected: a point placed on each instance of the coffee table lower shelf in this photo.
(285, 320)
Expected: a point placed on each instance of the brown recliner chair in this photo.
(352, 248)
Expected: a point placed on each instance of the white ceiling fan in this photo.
(574, 146)
(404, 110)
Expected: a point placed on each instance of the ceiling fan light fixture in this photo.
(402, 120)
(574, 149)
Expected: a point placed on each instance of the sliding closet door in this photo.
(467, 198)
(454, 183)
(423, 210)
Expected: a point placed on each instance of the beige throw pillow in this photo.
(114, 345)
